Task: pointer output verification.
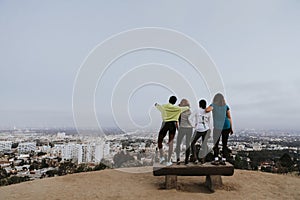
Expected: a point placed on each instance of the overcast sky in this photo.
(254, 44)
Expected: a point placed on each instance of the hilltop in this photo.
(114, 184)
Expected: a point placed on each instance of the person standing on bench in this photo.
(202, 121)
(185, 129)
(222, 125)
(170, 114)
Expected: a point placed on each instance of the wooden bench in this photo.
(213, 173)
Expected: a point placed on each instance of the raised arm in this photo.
(159, 107)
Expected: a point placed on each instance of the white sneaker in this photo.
(169, 163)
(161, 160)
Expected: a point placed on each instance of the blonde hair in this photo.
(184, 102)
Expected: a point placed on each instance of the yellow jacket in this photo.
(170, 112)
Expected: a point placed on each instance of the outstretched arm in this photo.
(158, 106)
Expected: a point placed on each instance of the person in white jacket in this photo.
(202, 122)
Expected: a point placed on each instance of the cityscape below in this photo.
(39, 153)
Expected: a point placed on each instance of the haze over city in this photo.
(255, 47)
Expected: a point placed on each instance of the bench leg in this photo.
(171, 181)
(212, 181)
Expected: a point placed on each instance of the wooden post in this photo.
(213, 181)
(171, 181)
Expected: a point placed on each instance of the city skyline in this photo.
(254, 46)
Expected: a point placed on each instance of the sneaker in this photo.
(169, 163)
(196, 162)
(222, 161)
(202, 161)
(161, 160)
(216, 161)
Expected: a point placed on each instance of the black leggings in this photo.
(197, 135)
(166, 127)
(216, 135)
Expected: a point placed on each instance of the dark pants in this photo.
(196, 137)
(187, 132)
(165, 128)
(225, 135)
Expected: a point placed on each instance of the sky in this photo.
(254, 45)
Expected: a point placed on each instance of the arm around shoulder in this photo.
(184, 108)
(209, 108)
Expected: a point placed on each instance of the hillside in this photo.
(113, 184)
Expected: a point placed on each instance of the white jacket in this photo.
(201, 120)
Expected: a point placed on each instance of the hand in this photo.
(231, 131)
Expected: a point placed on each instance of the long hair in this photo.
(184, 102)
(219, 100)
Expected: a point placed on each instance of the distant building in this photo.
(257, 147)
(106, 150)
(70, 151)
(61, 134)
(99, 152)
(91, 152)
(82, 153)
(5, 145)
(26, 147)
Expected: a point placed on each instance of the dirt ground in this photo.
(114, 184)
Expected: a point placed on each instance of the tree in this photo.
(14, 145)
(286, 161)
(100, 166)
(51, 173)
(66, 167)
(240, 163)
(82, 168)
(44, 164)
(17, 179)
(3, 173)
(41, 154)
(34, 165)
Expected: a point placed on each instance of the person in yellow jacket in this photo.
(170, 114)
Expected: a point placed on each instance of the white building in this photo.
(99, 152)
(84, 153)
(61, 135)
(5, 145)
(26, 147)
(91, 152)
(70, 151)
(257, 147)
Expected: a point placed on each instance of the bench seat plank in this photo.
(191, 169)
